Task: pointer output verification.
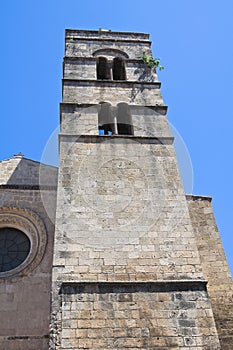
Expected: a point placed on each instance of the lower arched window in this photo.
(124, 119)
(115, 120)
(106, 119)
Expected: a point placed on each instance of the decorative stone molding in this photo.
(110, 52)
(31, 225)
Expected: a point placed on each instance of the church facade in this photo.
(108, 252)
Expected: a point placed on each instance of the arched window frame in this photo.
(118, 69)
(110, 65)
(106, 123)
(115, 120)
(103, 68)
(124, 119)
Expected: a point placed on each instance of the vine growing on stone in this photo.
(152, 62)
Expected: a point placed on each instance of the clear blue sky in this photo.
(193, 40)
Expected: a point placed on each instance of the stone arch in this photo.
(109, 52)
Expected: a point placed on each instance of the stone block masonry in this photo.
(137, 264)
(151, 315)
(215, 267)
(25, 294)
(126, 271)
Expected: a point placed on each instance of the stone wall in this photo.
(126, 268)
(122, 218)
(122, 213)
(145, 121)
(215, 267)
(137, 316)
(78, 44)
(85, 68)
(93, 92)
(25, 292)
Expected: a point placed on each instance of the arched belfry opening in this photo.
(103, 69)
(124, 119)
(118, 69)
(114, 120)
(105, 119)
(109, 66)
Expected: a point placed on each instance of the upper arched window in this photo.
(110, 69)
(103, 70)
(118, 69)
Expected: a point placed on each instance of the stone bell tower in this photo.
(126, 272)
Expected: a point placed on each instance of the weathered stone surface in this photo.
(132, 253)
(122, 224)
(111, 44)
(85, 68)
(215, 267)
(93, 92)
(25, 296)
(147, 122)
(141, 315)
(22, 171)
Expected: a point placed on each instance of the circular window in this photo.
(14, 248)
(23, 240)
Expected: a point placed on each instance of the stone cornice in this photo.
(109, 40)
(191, 197)
(93, 59)
(85, 32)
(162, 109)
(73, 287)
(123, 83)
(101, 138)
(28, 187)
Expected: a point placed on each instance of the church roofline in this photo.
(27, 159)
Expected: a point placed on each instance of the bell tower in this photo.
(126, 270)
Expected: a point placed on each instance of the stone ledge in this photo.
(84, 32)
(132, 287)
(112, 40)
(102, 138)
(93, 59)
(28, 187)
(162, 109)
(24, 337)
(192, 197)
(101, 83)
